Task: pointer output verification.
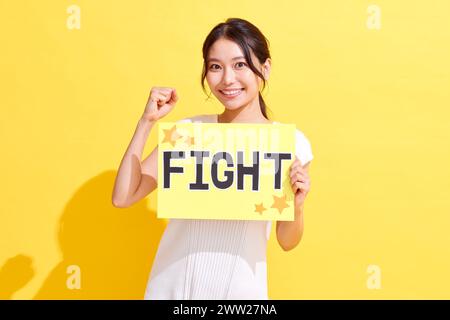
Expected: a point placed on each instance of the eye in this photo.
(211, 67)
(241, 64)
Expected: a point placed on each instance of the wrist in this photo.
(143, 122)
(299, 210)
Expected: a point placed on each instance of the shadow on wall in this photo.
(107, 251)
(112, 248)
(15, 273)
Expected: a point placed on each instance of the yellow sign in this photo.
(225, 171)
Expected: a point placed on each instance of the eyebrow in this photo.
(235, 58)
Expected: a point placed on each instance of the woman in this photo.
(215, 259)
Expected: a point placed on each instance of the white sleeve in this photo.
(302, 148)
(185, 120)
(194, 119)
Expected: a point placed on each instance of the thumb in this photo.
(173, 97)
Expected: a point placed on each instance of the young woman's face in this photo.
(229, 77)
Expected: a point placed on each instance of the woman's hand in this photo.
(300, 182)
(160, 102)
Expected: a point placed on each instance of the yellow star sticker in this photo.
(189, 141)
(171, 136)
(259, 208)
(279, 203)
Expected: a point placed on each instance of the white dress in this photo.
(214, 259)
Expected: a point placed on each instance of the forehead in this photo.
(224, 50)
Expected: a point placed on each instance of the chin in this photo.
(234, 105)
(231, 106)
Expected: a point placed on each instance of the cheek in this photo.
(250, 79)
(213, 79)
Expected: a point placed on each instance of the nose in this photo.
(228, 76)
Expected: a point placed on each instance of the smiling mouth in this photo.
(231, 93)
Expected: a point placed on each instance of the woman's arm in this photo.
(129, 177)
(136, 179)
(289, 233)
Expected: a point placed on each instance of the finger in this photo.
(170, 93)
(296, 163)
(298, 171)
(159, 99)
(167, 91)
(296, 187)
(163, 97)
(173, 97)
(299, 186)
(299, 178)
(295, 168)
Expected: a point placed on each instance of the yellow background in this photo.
(374, 104)
(231, 138)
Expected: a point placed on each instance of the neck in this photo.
(250, 113)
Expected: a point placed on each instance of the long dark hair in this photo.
(247, 37)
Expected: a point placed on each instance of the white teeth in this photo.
(230, 93)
